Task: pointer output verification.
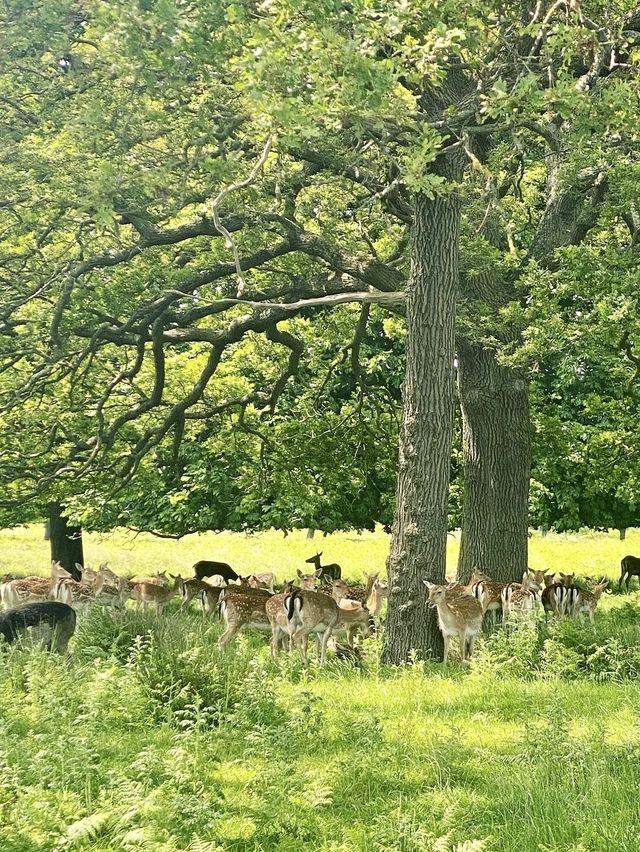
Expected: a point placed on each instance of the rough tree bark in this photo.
(418, 547)
(497, 462)
(65, 540)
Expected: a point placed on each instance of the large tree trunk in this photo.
(66, 541)
(497, 461)
(418, 547)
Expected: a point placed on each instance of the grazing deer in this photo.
(327, 572)
(26, 590)
(629, 567)
(311, 612)
(458, 615)
(588, 601)
(242, 608)
(206, 568)
(59, 618)
(146, 593)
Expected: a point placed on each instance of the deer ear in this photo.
(300, 574)
(318, 572)
(79, 566)
(428, 584)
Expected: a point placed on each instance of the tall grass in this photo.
(151, 739)
(24, 549)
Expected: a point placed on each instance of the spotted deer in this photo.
(241, 609)
(487, 592)
(26, 590)
(459, 615)
(588, 601)
(311, 612)
(189, 588)
(520, 597)
(354, 593)
(281, 627)
(73, 593)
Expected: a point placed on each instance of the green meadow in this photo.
(24, 549)
(148, 739)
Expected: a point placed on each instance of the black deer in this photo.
(630, 567)
(328, 573)
(207, 568)
(60, 618)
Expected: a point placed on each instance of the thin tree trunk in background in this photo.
(418, 548)
(623, 533)
(66, 541)
(497, 458)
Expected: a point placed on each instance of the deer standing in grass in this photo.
(57, 618)
(151, 593)
(629, 567)
(520, 597)
(241, 608)
(311, 612)
(459, 615)
(588, 601)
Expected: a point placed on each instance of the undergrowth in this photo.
(148, 739)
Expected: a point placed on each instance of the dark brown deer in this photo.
(629, 567)
(207, 568)
(328, 573)
(59, 618)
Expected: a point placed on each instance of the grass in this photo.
(24, 549)
(150, 740)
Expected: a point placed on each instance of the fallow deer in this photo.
(629, 567)
(520, 597)
(206, 568)
(243, 608)
(263, 581)
(588, 601)
(379, 591)
(309, 582)
(58, 618)
(26, 590)
(458, 615)
(75, 594)
(487, 592)
(147, 593)
(311, 612)
(281, 627)
(327, 572)
(189, 588)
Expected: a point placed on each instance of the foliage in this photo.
(415, 757)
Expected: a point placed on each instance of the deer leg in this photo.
(447, 642)
(300, 638)
(470, 643)
(275, 640)
(227, 636)
(463, 645)
(325, 639)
